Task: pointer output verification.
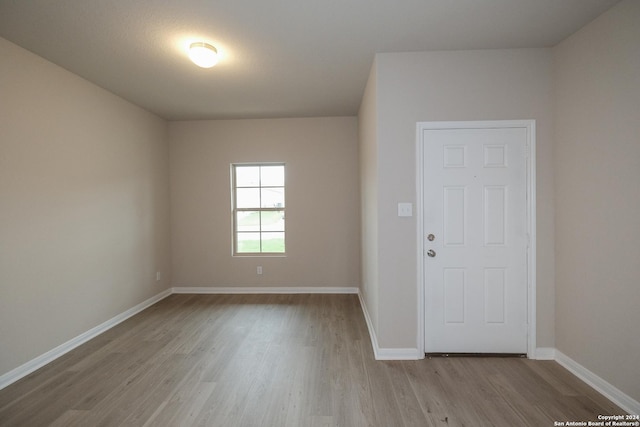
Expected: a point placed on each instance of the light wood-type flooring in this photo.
(281, 360)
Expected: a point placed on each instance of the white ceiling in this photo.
(280, 58)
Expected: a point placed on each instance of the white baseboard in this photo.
(367, 319)
(24, 370)
(264, 290)
(380, 353)
(545, 353)
(398, 354)
(618, 397)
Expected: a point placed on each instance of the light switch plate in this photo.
(405, 209)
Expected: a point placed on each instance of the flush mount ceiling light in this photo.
(203, 54)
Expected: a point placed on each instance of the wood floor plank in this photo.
(434, 402)
(526, 409)
(281, 360)
(68, 418)
(408, 403)
(386, 409)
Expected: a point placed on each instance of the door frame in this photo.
(530, 126)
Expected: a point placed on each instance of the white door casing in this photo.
(476, 197)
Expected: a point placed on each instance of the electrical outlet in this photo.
(405, 209)
(259, 269)
(158, 276)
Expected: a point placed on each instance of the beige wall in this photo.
(457, 85)
(83, 206)
(597, 161)
(322, 201)
(368, 149)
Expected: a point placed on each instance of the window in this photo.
(258, 208)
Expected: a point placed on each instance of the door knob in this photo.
(431, 253)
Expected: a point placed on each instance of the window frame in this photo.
(235, 210)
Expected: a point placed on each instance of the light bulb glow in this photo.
(203, 54)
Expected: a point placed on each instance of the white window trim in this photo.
(234, 210)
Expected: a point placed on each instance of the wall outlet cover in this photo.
(405, 209)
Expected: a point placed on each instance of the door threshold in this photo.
(520, 355)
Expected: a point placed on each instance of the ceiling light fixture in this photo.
(203, 54)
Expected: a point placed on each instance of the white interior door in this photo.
(475, 262)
